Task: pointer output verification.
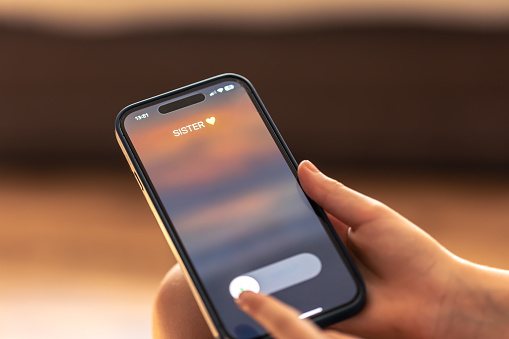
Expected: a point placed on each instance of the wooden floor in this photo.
(81, 255)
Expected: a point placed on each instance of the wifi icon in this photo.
(220, 90)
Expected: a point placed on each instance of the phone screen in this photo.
(232, 197)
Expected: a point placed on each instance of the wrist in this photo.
(475, 303)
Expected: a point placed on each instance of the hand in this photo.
(415, 287)
(281, 320)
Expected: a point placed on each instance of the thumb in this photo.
(279, 319)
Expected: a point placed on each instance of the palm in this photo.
(402, 266)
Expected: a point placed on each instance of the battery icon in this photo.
(228, 87)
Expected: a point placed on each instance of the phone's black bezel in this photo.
(323, 320)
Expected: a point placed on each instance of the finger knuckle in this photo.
(374, 210)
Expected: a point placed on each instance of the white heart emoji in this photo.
(211, 120)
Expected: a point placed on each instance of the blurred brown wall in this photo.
(358, 94)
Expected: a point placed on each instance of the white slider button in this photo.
(243, 283)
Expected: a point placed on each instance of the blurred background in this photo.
(404, 101)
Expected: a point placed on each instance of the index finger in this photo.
(347, 205)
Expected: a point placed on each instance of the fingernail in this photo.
(311, 166)
(241, 302)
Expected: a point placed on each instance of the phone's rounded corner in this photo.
(359, 299)
(231, 75)
(119, 119)
(351, 309)
(234, 77)
(358, 302)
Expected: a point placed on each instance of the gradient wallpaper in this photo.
(234, 201)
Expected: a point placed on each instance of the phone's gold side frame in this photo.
(197, 297)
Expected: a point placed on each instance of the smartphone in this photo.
(223, 187)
